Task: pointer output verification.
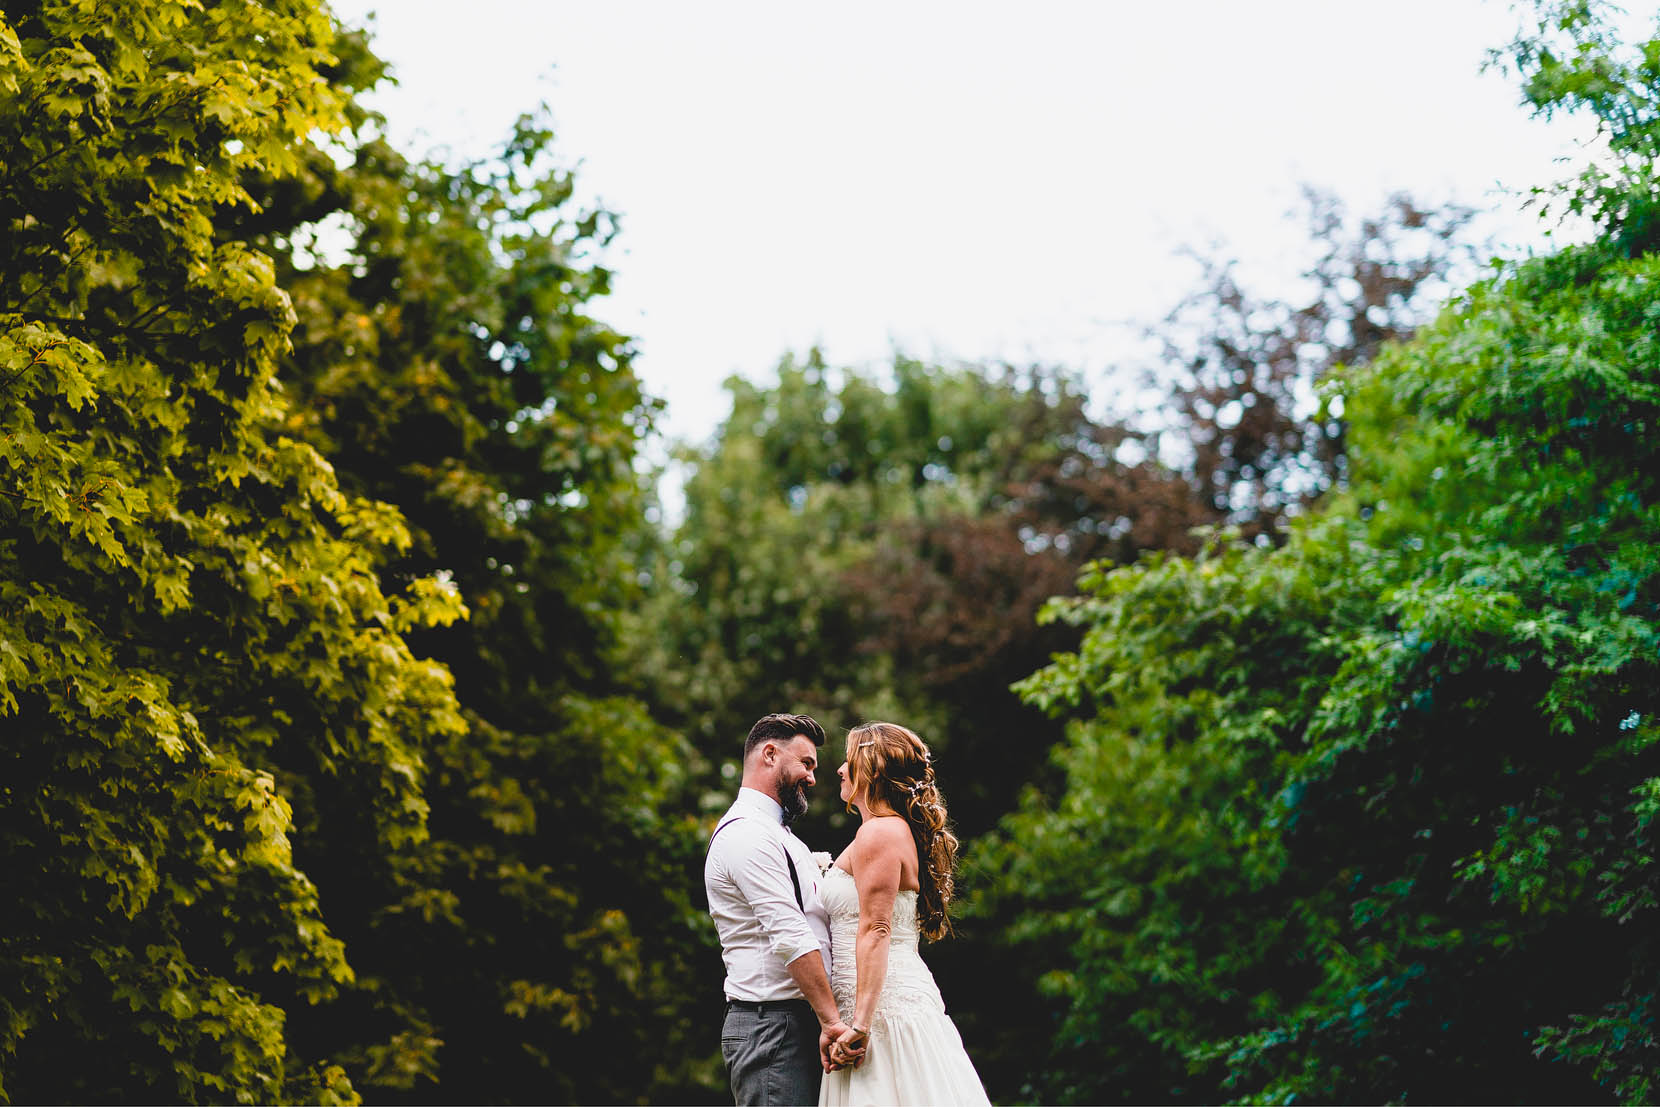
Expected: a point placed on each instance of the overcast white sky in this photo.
(965, 180)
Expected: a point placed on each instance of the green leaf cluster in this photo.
(543, 941)
(194, 640)
(1369, 817)
(1572, 60)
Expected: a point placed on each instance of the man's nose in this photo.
(810, 780)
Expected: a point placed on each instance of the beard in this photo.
(793, 799)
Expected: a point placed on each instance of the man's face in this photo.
(797, 759)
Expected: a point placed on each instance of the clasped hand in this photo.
(840, 1046)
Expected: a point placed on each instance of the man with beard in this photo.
(763, 887)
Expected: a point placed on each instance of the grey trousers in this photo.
(771, 1053)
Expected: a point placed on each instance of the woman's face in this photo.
(845, 775)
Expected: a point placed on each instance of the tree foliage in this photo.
(300, 831)
(542, 944)
(1371, 816)
(1571, 59)
(193, 635)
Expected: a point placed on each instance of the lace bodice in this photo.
(909, 987)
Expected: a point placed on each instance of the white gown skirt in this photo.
(915, 1054)
(913, 1058)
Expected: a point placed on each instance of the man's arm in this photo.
(757, 864)
(808, 973)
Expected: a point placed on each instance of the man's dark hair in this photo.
(780, 729)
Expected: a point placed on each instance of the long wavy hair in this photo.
(888, 762)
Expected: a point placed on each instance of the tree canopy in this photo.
(1371, 816)
(190, 615)
(545, 940)
(292, 819)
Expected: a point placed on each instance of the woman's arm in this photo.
(882, 845)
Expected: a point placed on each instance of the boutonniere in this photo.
(824, 861)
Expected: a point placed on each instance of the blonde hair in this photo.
(889, 763)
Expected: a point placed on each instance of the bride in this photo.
(892, 885)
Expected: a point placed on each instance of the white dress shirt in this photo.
(753, 902)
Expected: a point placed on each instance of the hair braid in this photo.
(899, 770)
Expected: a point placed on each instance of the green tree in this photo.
(193, 637)
(1571, 59)
(544, 943)
(1364, 818)
(1372, 816)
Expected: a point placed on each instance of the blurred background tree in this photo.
(853, 546)
(1243, 370)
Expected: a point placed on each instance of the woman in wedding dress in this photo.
(888, 889)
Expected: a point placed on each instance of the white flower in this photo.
(824, 861)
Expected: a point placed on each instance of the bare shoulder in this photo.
(887, 853)
(884, 834)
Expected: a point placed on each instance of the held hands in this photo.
(828, 1045)
(841, 1046)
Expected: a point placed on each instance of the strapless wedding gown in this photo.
(916, 1055)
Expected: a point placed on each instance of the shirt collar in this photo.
(761, 803)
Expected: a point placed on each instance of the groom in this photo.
(774, 932)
